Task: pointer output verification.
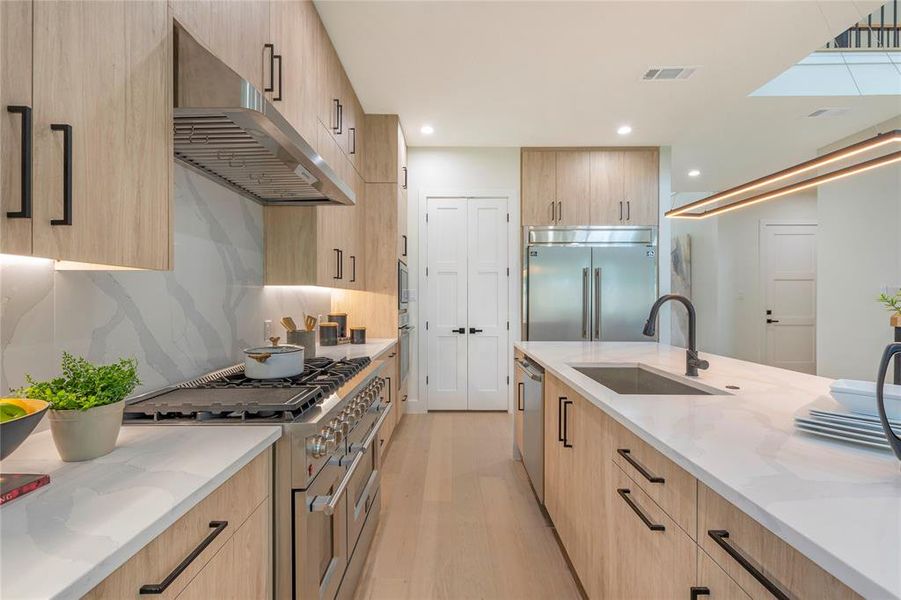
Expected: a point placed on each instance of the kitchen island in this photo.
(837, 504)
(63, 539)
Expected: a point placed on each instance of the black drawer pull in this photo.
(560, 418)
(67, 173)
(25, 211)
(352, 132)
(624, 494)
(520, 400)
(627, 455)
(721, 537)
(697, 592)
(340, 129)
(566, 404)
(158, 588)
(353, 269)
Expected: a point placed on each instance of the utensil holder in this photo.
(307, 339)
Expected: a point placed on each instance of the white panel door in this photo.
(487, 314)
(447, 295)
(788, 265)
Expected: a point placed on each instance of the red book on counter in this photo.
(13, 485)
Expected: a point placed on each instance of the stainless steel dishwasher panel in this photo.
(533, 424)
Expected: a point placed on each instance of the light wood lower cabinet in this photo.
(518, 407)
(236, 562)
(650, 556)
(714, 583)
(390, 374)
(726, 533)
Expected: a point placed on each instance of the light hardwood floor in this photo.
(459, 519)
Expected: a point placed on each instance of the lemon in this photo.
(9, 411)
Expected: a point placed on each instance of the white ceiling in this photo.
(542, 73)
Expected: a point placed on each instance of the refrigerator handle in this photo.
(585, 287)
(597, 303)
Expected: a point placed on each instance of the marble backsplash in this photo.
(177, 324)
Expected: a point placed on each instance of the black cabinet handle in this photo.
(620, 211)
(405, 245)
(459, 330)
(625, 495)
(474, 330)
(278, 57)
(24, 211)
(772, 320)
(628, 210)
(352, 132)
(721, 537)
(405, 178)
(627, 455)
(158, 588)
(67, 173)
(335, 114)
(698, 591)
(388, 379)
(560, 400)
(271, 49)
(353, 269)
(566, 404)
(520, 393)
(340, 129)
(338, 262)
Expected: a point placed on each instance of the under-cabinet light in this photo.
(878, 141)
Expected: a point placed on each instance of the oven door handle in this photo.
(328, 504)
(362, 448)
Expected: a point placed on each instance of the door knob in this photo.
(474, 330)
(772, 320)
(460, 330)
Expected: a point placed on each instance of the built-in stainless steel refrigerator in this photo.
(589, 283)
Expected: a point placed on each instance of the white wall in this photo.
(858, 253)
(726, 287)
(457, 170)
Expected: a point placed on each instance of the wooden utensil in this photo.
(289, 323)
(310, 322)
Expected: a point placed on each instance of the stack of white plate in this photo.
(861, 425)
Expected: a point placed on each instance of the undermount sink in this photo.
(641, 381)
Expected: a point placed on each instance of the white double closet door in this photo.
(467, 304)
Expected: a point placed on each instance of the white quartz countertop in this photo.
(61, 540)
(838, 504)
(373, 348)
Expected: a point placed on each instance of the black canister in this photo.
(341, 320)
(357, 335)
(328, 334)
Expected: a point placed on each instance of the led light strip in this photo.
(794, 188)
(827, 159)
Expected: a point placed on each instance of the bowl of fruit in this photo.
(18, 418)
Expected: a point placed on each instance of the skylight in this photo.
(871, 73)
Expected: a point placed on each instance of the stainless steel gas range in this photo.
(326, 465)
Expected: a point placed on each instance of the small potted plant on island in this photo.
(893, 305)
(86, 405)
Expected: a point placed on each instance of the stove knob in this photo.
(331, 439)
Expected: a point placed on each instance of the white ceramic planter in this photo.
(86, 434)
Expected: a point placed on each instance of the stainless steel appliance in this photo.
(404, 331)
(228, 131)
(530, 387)
(403, 286)
(593, 283)
(326, 464)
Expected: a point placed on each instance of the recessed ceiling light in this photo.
(427, 129)
(624, 130)
(694, 173)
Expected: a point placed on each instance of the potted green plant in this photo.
(893, 305)
(86, 405)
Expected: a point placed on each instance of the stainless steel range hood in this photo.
(228, 131)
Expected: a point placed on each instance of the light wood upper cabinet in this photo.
(15, 91)
(239, 32)
(539, 187)
(640, 183)
(573, 187)
(608, 203)
(294, 30)
(102, 132)
(381, 158)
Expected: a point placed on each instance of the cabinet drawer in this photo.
(756, 558)
(233, 502)
(668, 484)
(714, 583)
(649, 557)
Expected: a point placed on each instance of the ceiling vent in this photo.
(828, 112)
(668, 73)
